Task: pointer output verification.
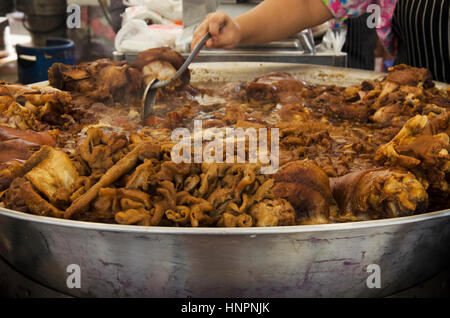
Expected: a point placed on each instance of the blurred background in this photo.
(119, 29)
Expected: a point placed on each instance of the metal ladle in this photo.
(149, 98)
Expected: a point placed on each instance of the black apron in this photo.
(360, 43)
(422, 28)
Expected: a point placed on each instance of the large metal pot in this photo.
(44, 19)
(297, 261)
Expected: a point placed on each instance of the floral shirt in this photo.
(343, 9)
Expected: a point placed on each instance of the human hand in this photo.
(227, 37)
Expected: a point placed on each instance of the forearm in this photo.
(277, 19)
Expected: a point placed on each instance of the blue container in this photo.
(33, 62)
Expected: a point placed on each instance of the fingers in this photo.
(215, 21)
(227, 38)
(201, 30)
(209, 43)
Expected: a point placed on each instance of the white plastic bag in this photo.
(134, 37)
(142, 13)
(167, 34)
(334, 39)
(137, 36)
(169, 9)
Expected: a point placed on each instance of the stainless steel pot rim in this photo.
(222, 231)
(205, 72)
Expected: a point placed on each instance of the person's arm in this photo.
(269, 21)
(277, 19)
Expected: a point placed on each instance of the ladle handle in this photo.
(189, 59)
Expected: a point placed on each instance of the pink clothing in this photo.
(342, 9)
